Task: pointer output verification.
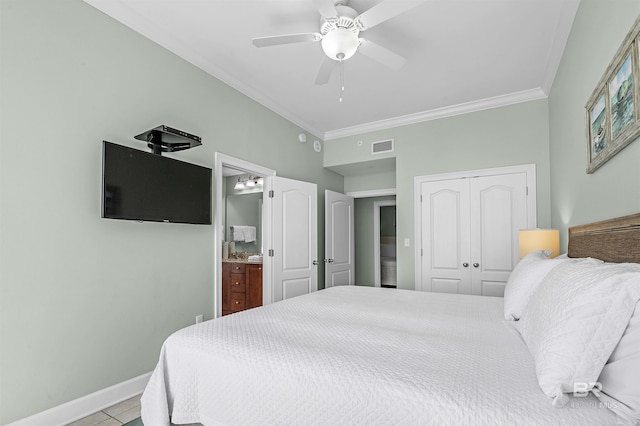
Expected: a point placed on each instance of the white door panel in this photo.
(498, 212)
(339, 239)
(294, 234)
(493, 288)
(445, 236)
(469, 232)
(340, 278)
(295, 287)
(441, 285)
(296, 214)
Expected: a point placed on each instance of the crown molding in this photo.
(569, 10)
(434, 114)
(257, 96)
(125, 14)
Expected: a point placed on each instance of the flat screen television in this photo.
(138, 185)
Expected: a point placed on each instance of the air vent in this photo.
(382, 146)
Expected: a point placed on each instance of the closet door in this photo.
(468, 226)
(498, 206)
(445, 237)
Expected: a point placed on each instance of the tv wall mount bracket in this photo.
(167, 139)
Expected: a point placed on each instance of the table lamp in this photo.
(539, 239)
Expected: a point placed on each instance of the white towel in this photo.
(245, 234)
(238, 234)
(249, 234)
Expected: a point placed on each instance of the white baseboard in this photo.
(78, 408)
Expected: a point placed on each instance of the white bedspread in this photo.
(356, 355)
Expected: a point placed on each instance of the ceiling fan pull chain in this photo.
(341, 79)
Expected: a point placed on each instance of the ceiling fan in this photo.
(340, 27)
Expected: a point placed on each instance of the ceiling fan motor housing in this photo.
(340, 39)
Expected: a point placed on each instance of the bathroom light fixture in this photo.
(239, 184)
(250, 182)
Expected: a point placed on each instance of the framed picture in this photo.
(621, 98)
(612, 112)
(598, 126)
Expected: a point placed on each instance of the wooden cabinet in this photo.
(241, 286)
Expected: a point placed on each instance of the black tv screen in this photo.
(141, 186)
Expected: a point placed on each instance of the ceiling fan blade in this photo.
(326, 68)
(384, 11)
(285, 39)
(326, 8)
(381, 54)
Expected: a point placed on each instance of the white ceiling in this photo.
(462, 55)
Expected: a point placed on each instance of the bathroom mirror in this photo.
(243, 213)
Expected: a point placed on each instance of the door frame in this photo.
(376, 238)
(222, 160)
(532, 218)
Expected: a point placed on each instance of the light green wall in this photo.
(614, 189)
(368, 182)
(357, 150)
(363, 229)
(511, 135)
(86, 302)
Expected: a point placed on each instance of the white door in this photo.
(470, 232)
(339, 239)
(445, 237)
(498, 212)
(294, 219)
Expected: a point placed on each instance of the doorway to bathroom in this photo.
(375, 240)
(384, 245)
(239, 192)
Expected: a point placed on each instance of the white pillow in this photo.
(620, 377)
(524, 279)
(574, 321)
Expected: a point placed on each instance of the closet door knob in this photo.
(475, 265)
(465, 264)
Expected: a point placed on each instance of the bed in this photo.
(362, 355)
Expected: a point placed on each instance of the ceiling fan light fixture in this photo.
(340, 44)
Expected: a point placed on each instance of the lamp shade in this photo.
(539, 239)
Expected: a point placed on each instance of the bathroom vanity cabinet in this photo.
(241, 286)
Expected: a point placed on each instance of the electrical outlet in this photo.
(199, 318)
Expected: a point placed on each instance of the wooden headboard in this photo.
(613, 240)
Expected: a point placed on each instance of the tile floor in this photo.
(115, 415)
